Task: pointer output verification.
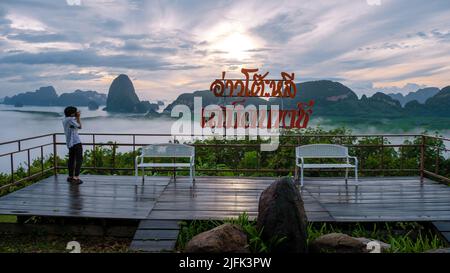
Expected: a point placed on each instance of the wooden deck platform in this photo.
(326, 199)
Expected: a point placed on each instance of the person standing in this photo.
(72, 124)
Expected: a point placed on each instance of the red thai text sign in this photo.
(255, 85)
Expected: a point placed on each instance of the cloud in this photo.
(373, 2)
(173, 46)
(73, 2)
(38, 37)
(283, 27)
(90, 58)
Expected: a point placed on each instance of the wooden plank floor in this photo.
(220, 198)
(99, 196)
(326, 199)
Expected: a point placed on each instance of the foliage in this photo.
(404, 237)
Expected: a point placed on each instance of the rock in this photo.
(343, 243)
(338, 243)
(92, 105)
(145, 106)
(383, 246)
(227, 238)
(122, 96)
(281, 214)
(438, 250)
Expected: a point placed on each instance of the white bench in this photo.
(324, 151)
(166, 150)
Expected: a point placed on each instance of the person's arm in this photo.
(78, 119)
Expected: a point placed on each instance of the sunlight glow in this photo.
(236, 45)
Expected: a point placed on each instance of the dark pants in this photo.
(75, 159)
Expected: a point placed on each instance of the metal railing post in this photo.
(55, 162)
(436, 163)
(422, 157)
(12, 167)
(94, 153)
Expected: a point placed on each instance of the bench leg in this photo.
(136, 174)
(296, 174)
(191, 176)
(301, 177)
(346, 175)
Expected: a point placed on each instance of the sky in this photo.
(172, 47)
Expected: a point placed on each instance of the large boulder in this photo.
(122, 96)
(343, 243)
(281, 215)
(337, 243)
(227, 238)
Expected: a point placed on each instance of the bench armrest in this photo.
(301, 159)
(136, 160)
(354, 158)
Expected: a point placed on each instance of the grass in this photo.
(8, 219)
(404, 237)
(34, 243)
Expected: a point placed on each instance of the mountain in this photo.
(420, 95)
(335, 99)
(209, 98)
(381, 104)
(122, 98)
(330, 99)
(324, 93)
(46, 96)
(439, 104)
(81, 98)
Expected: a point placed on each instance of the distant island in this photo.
(122, 98)
(47, 96)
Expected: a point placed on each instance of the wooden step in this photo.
(156, 236)
(443, 227)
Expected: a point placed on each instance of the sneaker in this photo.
(77, 181)
(69, 179)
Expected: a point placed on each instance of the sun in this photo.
(236, 45)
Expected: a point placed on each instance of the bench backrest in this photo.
(321, 151)
(168, 150)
